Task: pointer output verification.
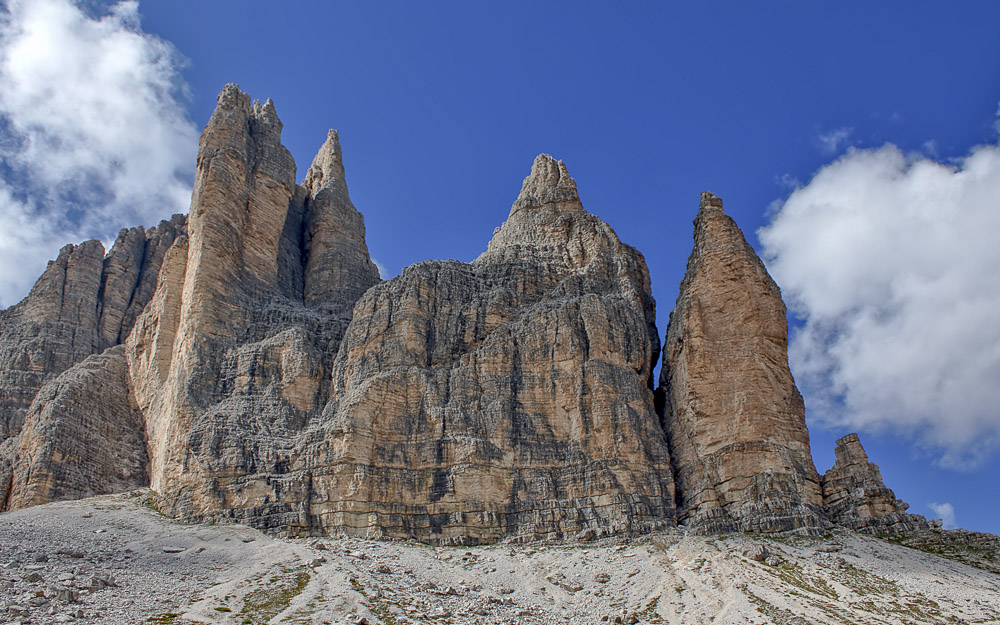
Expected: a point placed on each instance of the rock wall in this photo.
(854, 495)
(82, 436)
(734, 418)
(508, 398)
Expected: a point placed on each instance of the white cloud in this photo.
(831, 142)
(382, 271)
(891, 262)
(93, 137)
(946, 512)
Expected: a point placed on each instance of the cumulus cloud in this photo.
(831, 142)
(891, 263)
(946, 512)
(93, 133)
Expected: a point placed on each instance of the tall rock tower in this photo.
(735, 421)
(507, 398)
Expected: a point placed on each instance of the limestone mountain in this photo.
(248, 364)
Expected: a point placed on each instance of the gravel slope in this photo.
(114, 560)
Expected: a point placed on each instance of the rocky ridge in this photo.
(248, 364)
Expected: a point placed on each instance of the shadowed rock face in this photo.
(735, 421)
(81, 437)
(854, 495)
(83, 303)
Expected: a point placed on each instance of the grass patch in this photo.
(376, 604)
(263, 604)
(163, 619)
(972, 548)
(793, 575)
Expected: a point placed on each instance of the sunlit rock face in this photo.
(506, 398)
(233, 357)
(854, 495)
(734, 418)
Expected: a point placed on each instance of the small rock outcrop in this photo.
(81, 437)
(732, 413)
(854, 495)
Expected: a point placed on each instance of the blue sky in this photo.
(861, 136)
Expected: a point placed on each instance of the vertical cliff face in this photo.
(854, 495)
(735, 420)
(506, 398)
(233, 356)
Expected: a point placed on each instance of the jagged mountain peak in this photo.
(327, 169)
(709, 200)
(548, 183)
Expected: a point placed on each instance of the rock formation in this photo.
(233, 357)
(82, 436)
(83, 302)
(735, 421)
(506, 398)
(248, 364)
(854, 495)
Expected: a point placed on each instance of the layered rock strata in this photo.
(854, 495)
(732, 414)
(82, 436)
(232, 359)
(506, 398)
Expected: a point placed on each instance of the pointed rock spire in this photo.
(338, 267)
(734, 417)
(548, 183)
(327, 169)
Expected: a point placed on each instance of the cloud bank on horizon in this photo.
(891, 263)
(94, 135)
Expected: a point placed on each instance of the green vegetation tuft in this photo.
(263, 604)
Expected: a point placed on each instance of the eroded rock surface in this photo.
(81, 437)
(83, 303)
(734, 418)
(232, 358)
(506, 398)
(854, 495)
